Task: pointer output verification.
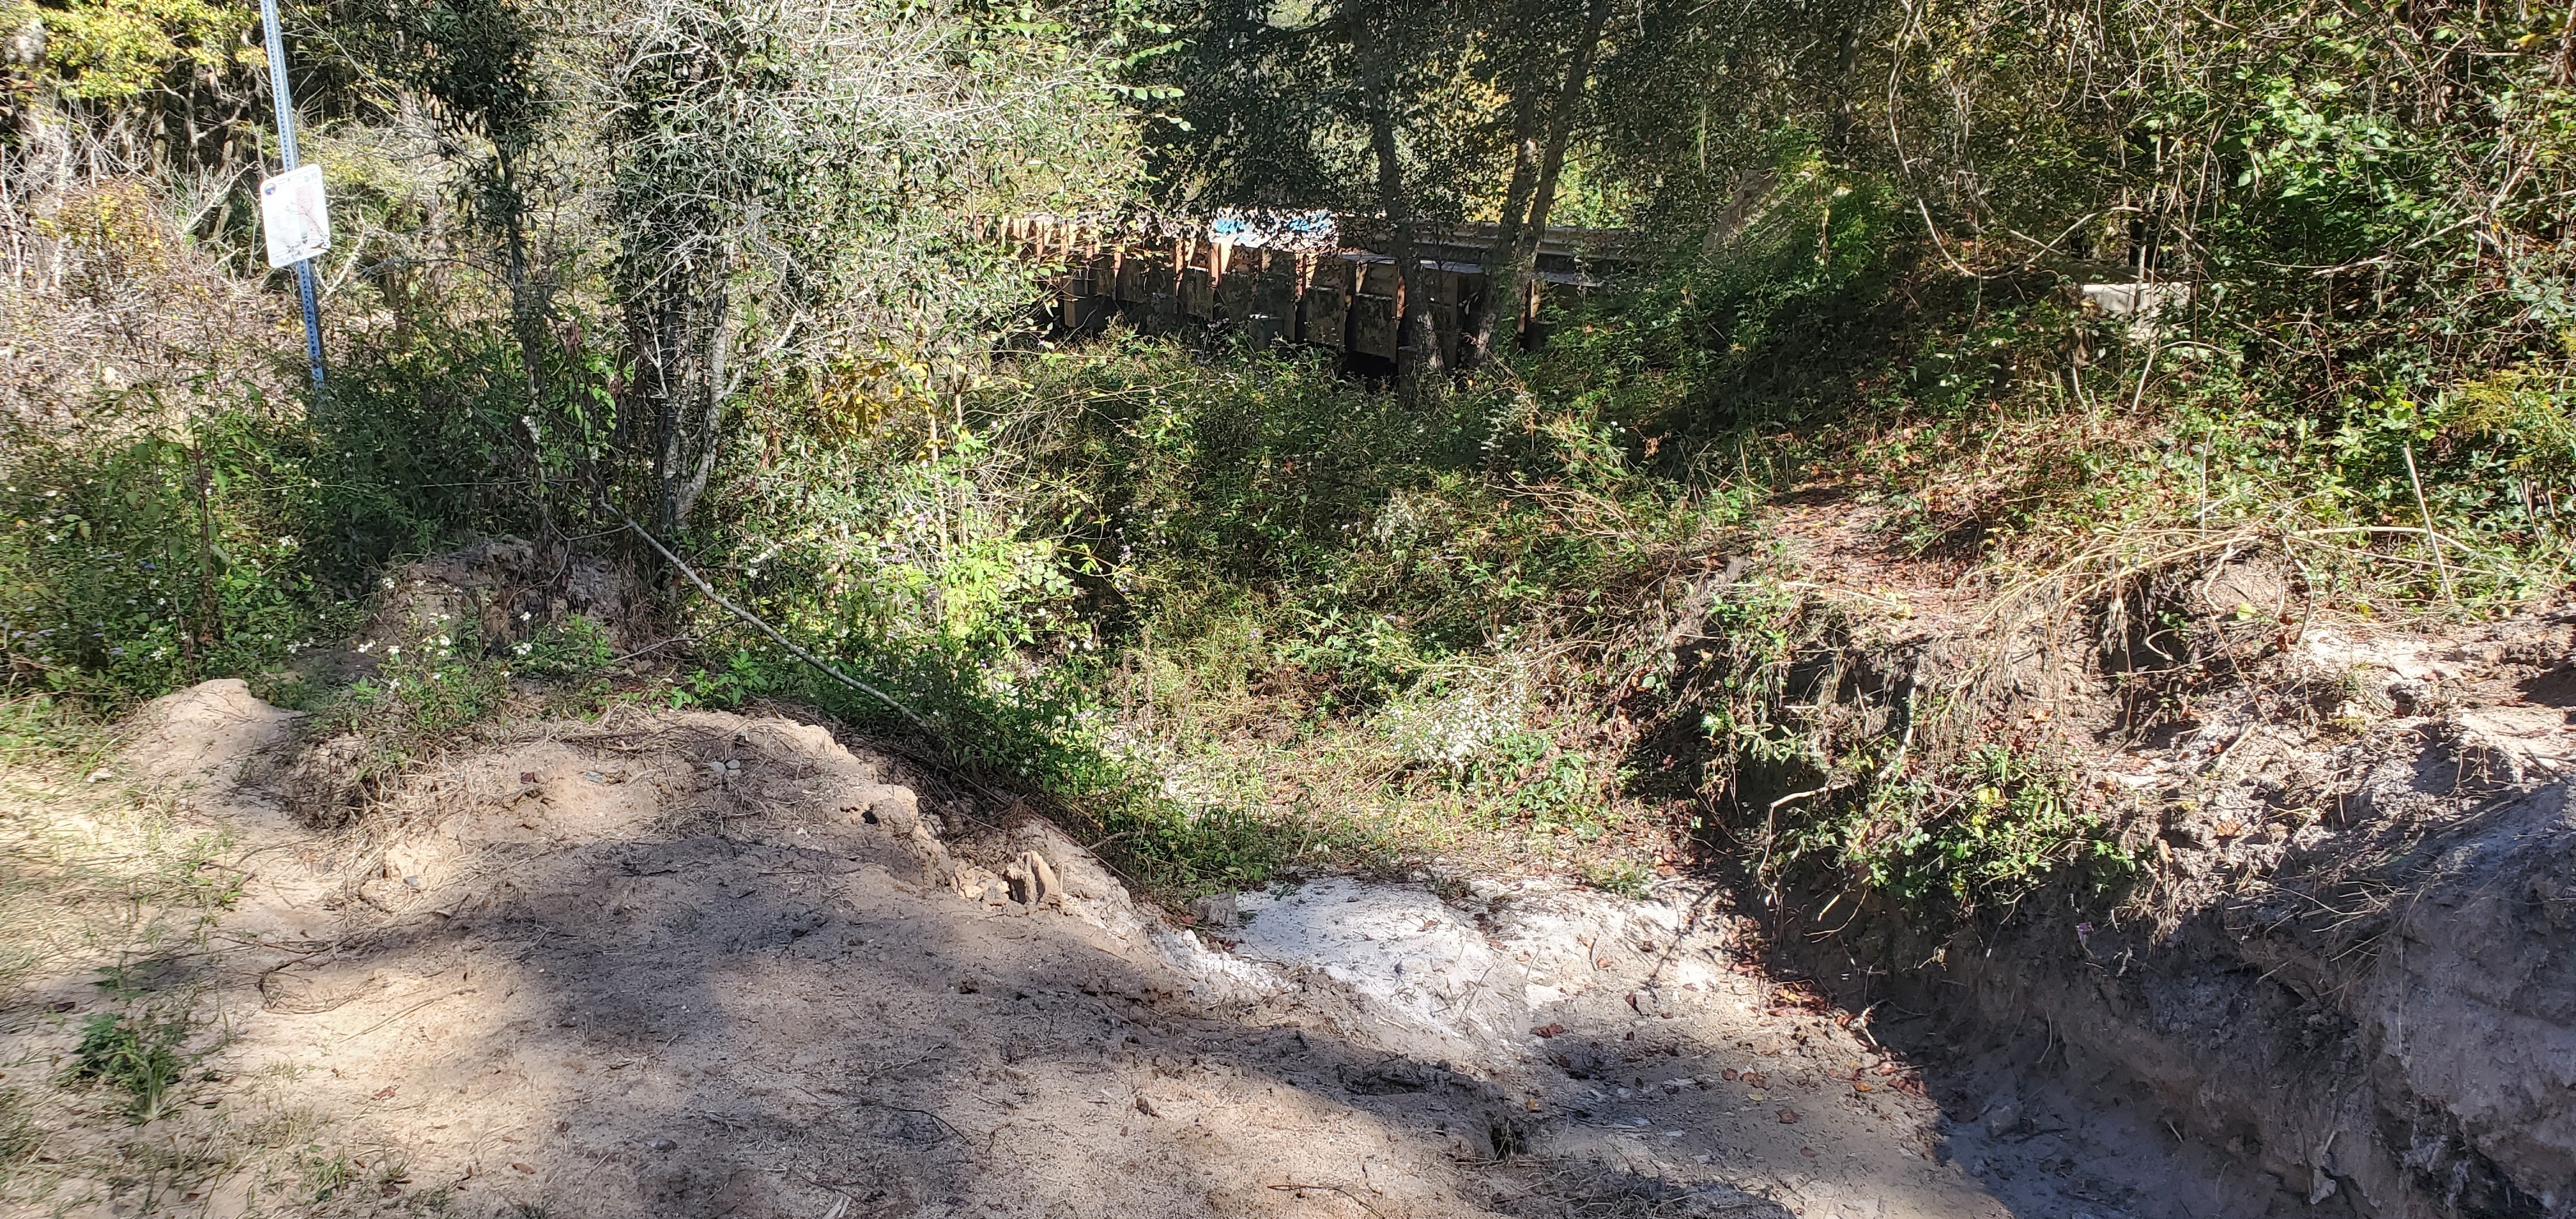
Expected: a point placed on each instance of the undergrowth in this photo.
(1234, 614)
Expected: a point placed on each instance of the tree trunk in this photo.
(509, 208)
(527, 312)
(1502, 265)
(1569, 102)
(679, 330)
(1846, 56)
(1413, 327)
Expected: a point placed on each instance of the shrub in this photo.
(134, 561)
(202, 531)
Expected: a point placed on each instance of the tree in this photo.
(795, 181)
(477, 63)
(1543, 124)
(1372, 107)
(1378, 34)
(90, 88)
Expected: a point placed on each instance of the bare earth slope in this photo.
(2345, 984)
(709, 964)
(703, 964)
(2374, 1007)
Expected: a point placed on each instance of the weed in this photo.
(143, 1054)
(1126, 557)
(146, 553)
(741, 677)
(326, 1174)
(576, 647)
(1619, 877)
(292, 690)
(425, 692)
(37, 728)
(1986, 831)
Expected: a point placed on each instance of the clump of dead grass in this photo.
(109, 299)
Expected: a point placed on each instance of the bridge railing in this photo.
(1347, 299)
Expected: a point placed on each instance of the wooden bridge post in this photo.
(1323, 313)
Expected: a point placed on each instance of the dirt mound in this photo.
(701, 964)
(495, 593)
(202, 736)
(689, 963)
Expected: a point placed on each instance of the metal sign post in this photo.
(302, 245)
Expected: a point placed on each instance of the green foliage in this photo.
(1986, 830)
(907, 537)
(744, 675)
(1045, 731)
(798, 184)
(1274, 106)
(327, 1174)
(155, 557)
(142, 1054)
(1790, 322)
(1619, 877)
(1859, 236)
(155, 547)
(429, 689)
(36, 725)
(578, 646)
(1139, 522)
(199, 524)
(1382, 533)
(1947, 823)
(113, 50)
(423, 442)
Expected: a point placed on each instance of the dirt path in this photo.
(698, 964)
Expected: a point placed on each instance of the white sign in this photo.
(294, 216)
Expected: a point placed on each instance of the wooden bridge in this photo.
(1347, 299)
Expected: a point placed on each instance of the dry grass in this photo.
(1499, 763)
(108, 298)
(112, 896)
(96, 873)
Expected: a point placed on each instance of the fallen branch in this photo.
(404, 1012)
(2426, 509)
(1355, 1198)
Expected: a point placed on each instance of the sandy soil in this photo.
(702, 964)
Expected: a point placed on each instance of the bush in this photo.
(138, 560)
(182, 534)
(1140, 524)
(578, 646)
(1986, 830)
